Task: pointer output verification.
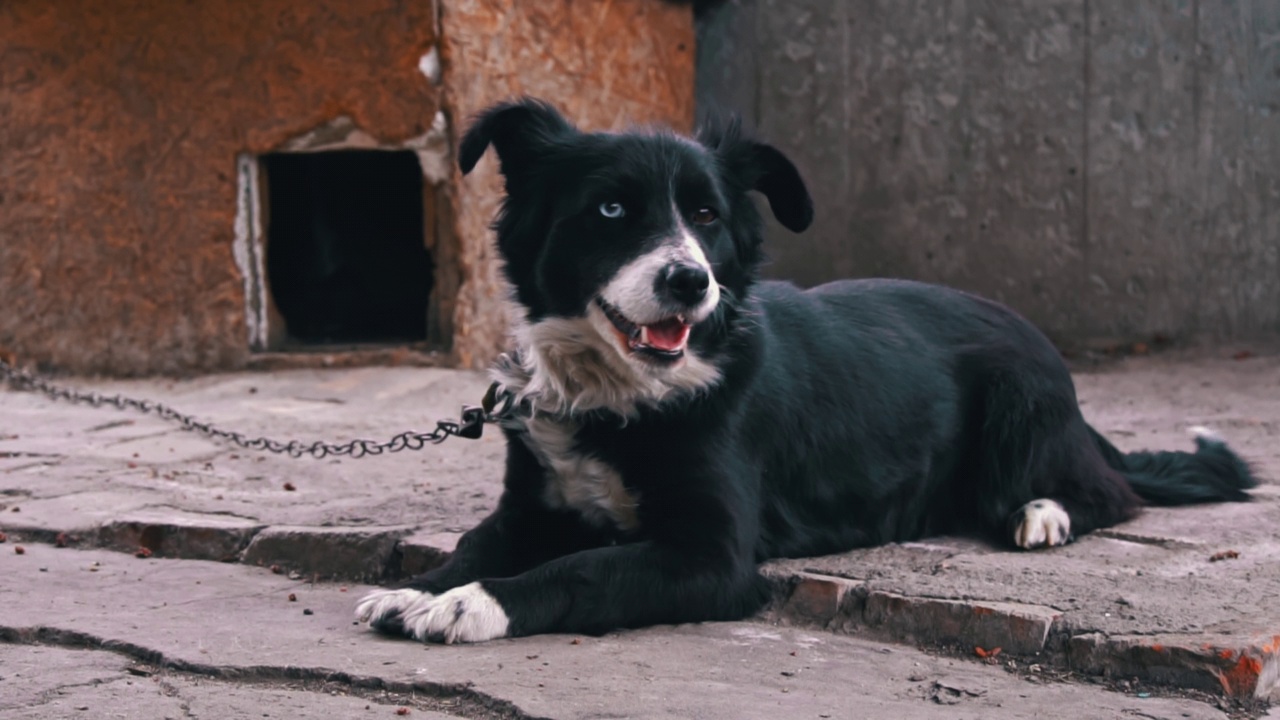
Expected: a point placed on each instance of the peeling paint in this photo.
(429, 66)
(340, 133)
(432, 148)
(247, 249)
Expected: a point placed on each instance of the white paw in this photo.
(381, 604)
(1205, 433)
(1042, 523)
(464, 614)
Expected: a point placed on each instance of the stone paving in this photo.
(227, 534)
(180, 630)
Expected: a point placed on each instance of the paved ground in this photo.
(1141, 609)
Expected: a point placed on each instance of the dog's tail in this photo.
(1213, 473)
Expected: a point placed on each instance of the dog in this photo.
(683, 421)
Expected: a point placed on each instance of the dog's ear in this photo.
(763, 168)
(780, 182)
(519, 131)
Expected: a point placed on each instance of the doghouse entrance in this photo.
(346, 258)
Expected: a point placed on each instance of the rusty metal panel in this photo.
(120, 124)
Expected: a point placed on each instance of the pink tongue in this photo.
(667, 335)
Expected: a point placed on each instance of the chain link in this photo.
(470, 426)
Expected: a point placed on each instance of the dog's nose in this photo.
(686, 283)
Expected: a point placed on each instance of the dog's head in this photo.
(628, 253)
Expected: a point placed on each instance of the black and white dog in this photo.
(685, 422)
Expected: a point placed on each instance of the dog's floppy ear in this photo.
(519, 131)
(781, 183)
(763, 168)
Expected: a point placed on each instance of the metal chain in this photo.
(470, 426)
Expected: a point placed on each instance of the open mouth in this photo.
(664, 340)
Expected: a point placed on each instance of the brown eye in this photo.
(703, 216)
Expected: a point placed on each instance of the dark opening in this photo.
(345, 252)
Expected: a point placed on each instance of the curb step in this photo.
(1238, 668)
(1241, 668)
(344, 554)
(179, 535)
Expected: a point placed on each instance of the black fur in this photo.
(852, 414)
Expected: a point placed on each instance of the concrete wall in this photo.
(1111, 168)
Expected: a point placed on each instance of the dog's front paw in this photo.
(464, 614)
(1041, 523)
(385, 609)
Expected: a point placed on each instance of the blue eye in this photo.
(612, 210)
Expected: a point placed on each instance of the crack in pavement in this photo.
(49, 462)
(171, 690)
(1163, 542)
(456, 699)
(110, 425)
(145, 436)
(51, 695)
(218, 513)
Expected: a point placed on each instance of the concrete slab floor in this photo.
(43, 682)
(1140, 601)
(150, 637)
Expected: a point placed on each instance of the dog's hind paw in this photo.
(465, 614)
(1208, 434)
(385, 609)
(1041, 523)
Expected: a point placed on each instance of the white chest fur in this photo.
(577, 480)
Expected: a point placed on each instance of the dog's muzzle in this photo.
(664, 341)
